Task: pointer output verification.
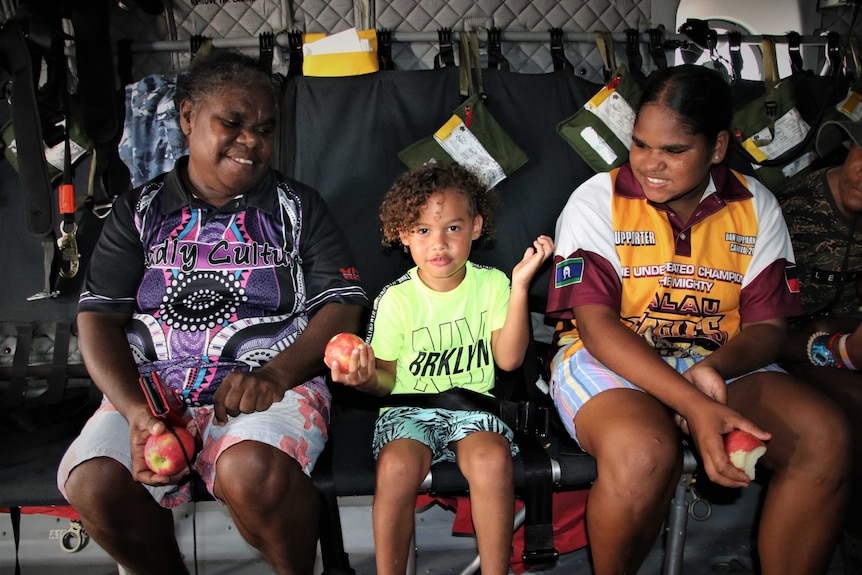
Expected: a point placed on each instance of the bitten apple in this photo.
(165, 455)
(744, 450)
(339, 349)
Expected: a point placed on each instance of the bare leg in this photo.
(638, 452)
(845, 388)
(809, 455)
(485, 459)
(402, 464)
(273, 504)
(124, 519)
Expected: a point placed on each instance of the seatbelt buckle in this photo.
(539, 548)
(533, 418)
(164, 402)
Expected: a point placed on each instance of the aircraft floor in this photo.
(719, 544)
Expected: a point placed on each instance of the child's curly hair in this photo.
(411, 190)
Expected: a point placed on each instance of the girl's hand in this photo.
(708, 422)
(534, 257)
(709, 382)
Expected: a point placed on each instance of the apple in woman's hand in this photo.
(744, 450)
(165, 455)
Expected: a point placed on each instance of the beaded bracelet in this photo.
(819, 352)
(842, 351)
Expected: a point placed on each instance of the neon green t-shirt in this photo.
(440, 340)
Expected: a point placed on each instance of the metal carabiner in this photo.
(77, 533)
(70, 256)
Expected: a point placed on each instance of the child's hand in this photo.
(362, 367)
(542, 249)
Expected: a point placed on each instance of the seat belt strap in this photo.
(538, 502)
(60, 362)
(20, 363)
(446, 56)
(527, 417)
(15, 516)
(32, 166)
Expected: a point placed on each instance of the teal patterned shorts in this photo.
(436, 428)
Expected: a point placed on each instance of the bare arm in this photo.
(246, 392)
(708, 418)
(755, 346)
(367, 374)
(509, 343)
(108, 357)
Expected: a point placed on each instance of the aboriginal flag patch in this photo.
(568, 272)
(791, 277)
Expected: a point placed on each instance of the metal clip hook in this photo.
(696, 501)
(75, 538)
(70, 256)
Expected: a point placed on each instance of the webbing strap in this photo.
(633, 53)
(59, 365)
(558, 51)
(656, 47)
(495, 50)
(32, 166)
(538, 503)
(20, 362)
(770, 77)
(794, 41)
(526, 417)
(384, 49)
(734, 41)
(335, 559)
(294, 41)
(605, 44)
(15, 516)
(446, 55)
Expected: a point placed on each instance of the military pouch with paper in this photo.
(772, 133)
(471, 137)
(601, 131)
(53, 144)
(347, 53)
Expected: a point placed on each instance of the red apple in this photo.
(167, 456)
(744, 450)
(339, 348)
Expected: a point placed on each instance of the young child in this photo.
(444, 324)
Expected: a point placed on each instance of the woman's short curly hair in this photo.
(210, 74)
(410, 192)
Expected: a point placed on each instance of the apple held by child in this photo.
(744, 450)
(339, 349)
(169, 454)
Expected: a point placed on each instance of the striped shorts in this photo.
(297, 426)
(576, 379)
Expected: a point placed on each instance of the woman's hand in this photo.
(247, 392)
(140, 431)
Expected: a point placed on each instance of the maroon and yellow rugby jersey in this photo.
(678, 284)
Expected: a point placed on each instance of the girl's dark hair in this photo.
(218, 70)
(700, 97)
(410, 192)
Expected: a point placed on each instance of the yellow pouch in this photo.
(344, 63)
